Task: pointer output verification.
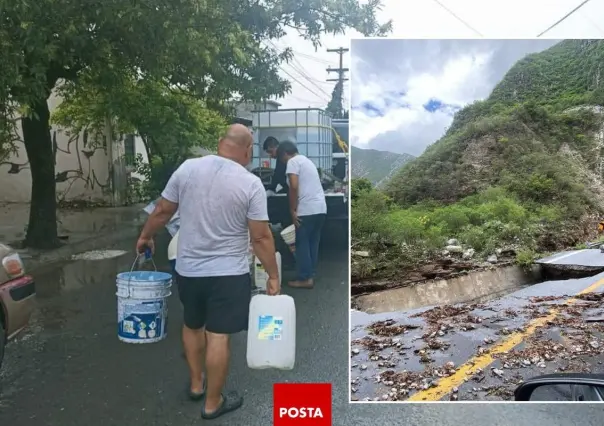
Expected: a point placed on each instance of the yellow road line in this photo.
(481, 362)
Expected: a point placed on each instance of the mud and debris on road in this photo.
(442, 350)
(389, 328)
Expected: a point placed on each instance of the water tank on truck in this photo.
(312, 131)
(309, 128)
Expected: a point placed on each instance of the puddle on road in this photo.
(58, 285)
(66, 291)
(75, 275)
(478, 286)
(98, 254)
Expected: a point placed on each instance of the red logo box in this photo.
(298, 404)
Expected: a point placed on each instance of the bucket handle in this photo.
(148, 256)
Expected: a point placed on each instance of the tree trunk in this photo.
(147, 149)
(42, 228)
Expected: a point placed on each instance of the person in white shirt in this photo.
(221, 205)
(308, 210)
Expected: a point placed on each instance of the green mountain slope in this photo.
(376, 166)
(521, 172)
(529, 136)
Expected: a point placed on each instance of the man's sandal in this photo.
(230, 402)
(197, 396)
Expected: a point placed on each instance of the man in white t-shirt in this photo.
(308, 210)
(221, 205)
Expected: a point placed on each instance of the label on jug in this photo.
(270, 327)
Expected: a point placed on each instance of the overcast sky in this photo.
(405, 92)
(427, 19)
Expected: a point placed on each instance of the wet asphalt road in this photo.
(69, 368)
(586, 257)
(491, 327)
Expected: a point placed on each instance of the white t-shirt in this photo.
(311, 198)
(216, 197)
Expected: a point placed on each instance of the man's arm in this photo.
(293, 192)
(293, 172)
(260, 231)
(166, 206)
(278, 177)
(161, 215)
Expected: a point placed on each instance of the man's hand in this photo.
(273, 287)
(143, 244)
(295, 219)
(164, 210)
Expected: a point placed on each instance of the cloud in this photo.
(405, 92)
(426, 19)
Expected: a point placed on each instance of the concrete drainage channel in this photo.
(476, 287)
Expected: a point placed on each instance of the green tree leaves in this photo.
(335, 107)
(139, 61)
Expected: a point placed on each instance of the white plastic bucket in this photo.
(260, 275)
(289, 236)
(142, 306)
(173, 246)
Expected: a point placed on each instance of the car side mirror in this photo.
(562, 387)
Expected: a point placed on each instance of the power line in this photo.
(307, 77)
(303, 75)
(310, 78)
(311, 58)
(563, 18)
(304, 55)
(301, 84)
(300, 69)
(308, 101)
(458, 18)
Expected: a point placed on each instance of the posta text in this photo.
(313, 413)
(298, 404)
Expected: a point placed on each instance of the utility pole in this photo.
(336, 106)
(341, 70)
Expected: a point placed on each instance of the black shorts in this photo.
(220, 304)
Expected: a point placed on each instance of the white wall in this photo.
(82, 165)
(82, 168)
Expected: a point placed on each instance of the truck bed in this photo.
(278, 207)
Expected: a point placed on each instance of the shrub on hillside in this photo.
(369, 212)
(491, 219)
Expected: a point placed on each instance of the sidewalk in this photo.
(85, 229)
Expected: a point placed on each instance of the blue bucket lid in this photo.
(144, 276)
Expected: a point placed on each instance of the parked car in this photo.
(562, 387)
(17, 293)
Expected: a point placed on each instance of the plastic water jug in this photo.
(271, 338)
(260, 275)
